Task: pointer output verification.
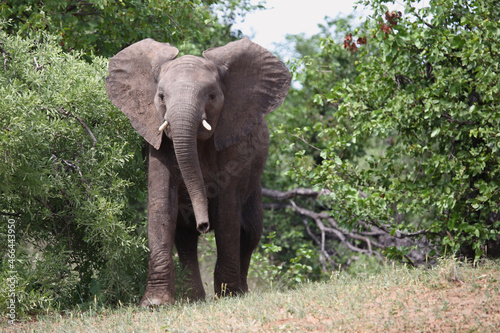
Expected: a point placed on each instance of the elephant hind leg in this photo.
(251, 232)
(186, 243)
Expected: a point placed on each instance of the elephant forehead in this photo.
(188, 62)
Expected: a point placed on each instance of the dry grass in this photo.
(452, 297)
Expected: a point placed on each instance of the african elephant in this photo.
(203, 118)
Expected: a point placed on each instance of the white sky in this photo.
(266, 27)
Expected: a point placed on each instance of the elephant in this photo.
(203, 118)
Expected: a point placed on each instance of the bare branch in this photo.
(304, 192)
(324, 254)
(305, 141)
(274, 194)
(334, 230)
(451, 120)
(422, 20)
(37, 66)
(175, 23)
(80, 120)
(370, 241)
(398, 234)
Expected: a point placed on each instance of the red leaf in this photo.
(361, 41)
(393, 17)
(385, 28)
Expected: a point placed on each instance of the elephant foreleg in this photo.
(162, 218)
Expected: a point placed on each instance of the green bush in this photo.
(414, 145)
(72, 177)
(296, 143)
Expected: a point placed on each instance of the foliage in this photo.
(267, 269)
(321, 62)
(414, 145)
(105, 27)
(71, 177)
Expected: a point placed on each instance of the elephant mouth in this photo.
(205, 124)
(204, 132)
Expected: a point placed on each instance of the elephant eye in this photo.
(161, 96)
(212, 96)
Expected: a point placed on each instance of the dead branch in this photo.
(274, 194)
(398, 233)
(370, 241)
(303, 192)
(37, 66)
(329, 231)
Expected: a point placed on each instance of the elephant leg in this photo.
(251, 232)
(227, 237)
(186, 242)
(162, 218)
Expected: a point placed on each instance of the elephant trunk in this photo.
(184, 136)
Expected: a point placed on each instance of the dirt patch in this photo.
(445, 306)
(442, 308)
(309, 323)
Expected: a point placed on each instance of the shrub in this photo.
(72, 177)
(414, 145)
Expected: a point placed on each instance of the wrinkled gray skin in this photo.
(200, 178)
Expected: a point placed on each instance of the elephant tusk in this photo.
(163, 126)
(206, 125)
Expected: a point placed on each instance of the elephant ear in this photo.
(255, 83)
(132, 83)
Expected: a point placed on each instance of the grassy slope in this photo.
(450, 297)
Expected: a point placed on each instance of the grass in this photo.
(451, 297)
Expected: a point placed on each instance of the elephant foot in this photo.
(153, 299)
(224, 290)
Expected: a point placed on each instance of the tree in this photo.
(426, 99)
(105, 27)
(294, 216)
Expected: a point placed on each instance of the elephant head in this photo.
(223, 94)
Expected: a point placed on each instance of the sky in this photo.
(267, 27)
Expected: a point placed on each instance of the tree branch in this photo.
(422, 20)
(305, 141)
(398, 234)
(328, 227)
(333, 230)
(303, 192)
(451, 120)
(80, 120)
